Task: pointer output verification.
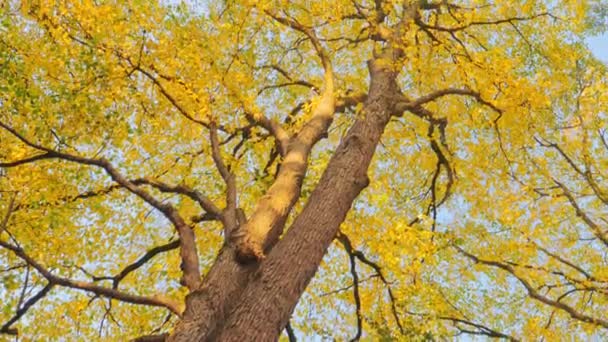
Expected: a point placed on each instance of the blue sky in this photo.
(599, 46)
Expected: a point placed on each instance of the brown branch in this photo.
(286, 84)
(483, 330)
(416, 108)
(212, 211)
(349, 286)
(442, 160)
(562, 153)
(195, 195)
(289, 22)
(345, 102)
(597, 231)
(483, 23)
(322, 116)
(151, 253)
(170, 97)
(262, 230)
(6, 327)
(189, 254)
(353, 271)
(290, 333)
(90, 287)
(71, 198)
(345, 241)
(583, 285)
(151, 338)
(406, 104)
(602, 133)
(585, 174)
(229, 215)
(26, 160)
(533, 293)
(380, 14)
(278, 132)
(9, 212)
(568, 263)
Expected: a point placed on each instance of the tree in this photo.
(184, 172)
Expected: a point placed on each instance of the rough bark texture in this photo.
(273, 292)
(207, 306)
(256, 300)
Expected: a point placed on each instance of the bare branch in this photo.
(230, 215)
(353, 271)
(345, 241)
(195, 195)
(411, 105)
(290, 333)
(151, 253)
(6, 327)
(90, 287)
(533, 293)
(510, 20)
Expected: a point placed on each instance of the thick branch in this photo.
(268, 300)
(262, 230)
(151, 338)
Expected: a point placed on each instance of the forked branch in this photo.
(188, 251)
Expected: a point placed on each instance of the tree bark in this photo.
(267, 302)
(207, 306)
(239, 302)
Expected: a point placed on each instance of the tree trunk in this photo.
(249, 302)
(207, 307)
(269, 299)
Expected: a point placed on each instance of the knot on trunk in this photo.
(362, 181)
(247, 249)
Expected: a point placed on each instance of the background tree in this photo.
(184, 171)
